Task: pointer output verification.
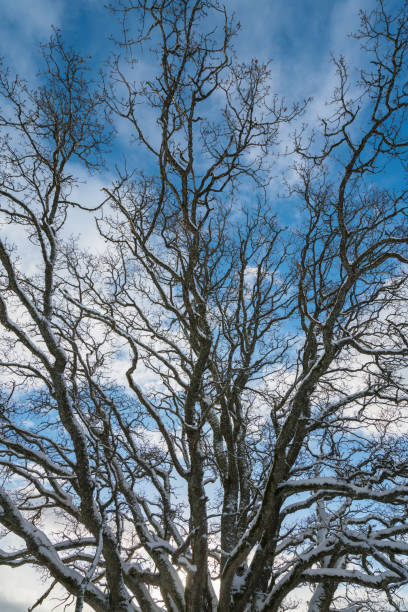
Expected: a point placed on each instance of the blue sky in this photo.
(298, 35)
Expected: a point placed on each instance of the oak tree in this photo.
(209, 413)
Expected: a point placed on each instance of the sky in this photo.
(298, 35)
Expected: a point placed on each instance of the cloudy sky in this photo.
(298, 35)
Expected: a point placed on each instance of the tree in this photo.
(254, 441)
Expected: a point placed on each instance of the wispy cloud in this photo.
(23, 25)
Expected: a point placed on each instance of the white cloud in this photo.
(24, 24)
(22, 586)
(33, 18)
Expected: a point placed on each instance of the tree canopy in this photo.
(209, 411)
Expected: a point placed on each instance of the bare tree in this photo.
(210, 415)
